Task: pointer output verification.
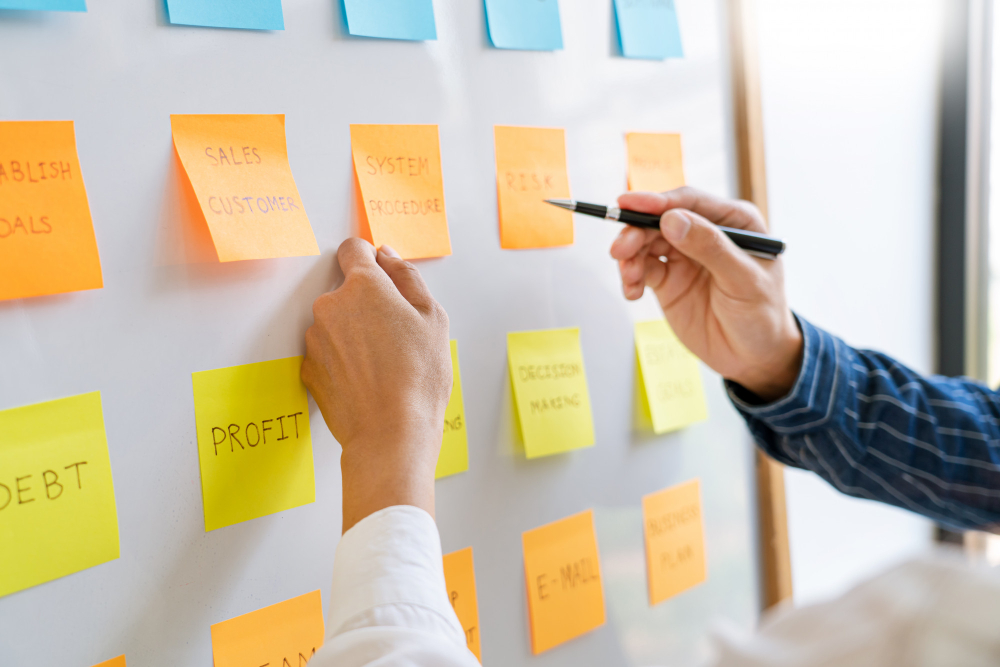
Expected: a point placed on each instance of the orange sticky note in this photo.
(113, 662)
(675, 540)
(563, 573)
(47, 242)
(531, 167)
(655, 161)
(460, 578)
(287, 633)
(400, 188)
(238, 168)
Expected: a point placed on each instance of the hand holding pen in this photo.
(728, 308)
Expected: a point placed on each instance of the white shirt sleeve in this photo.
(389, 604)
(930, 612)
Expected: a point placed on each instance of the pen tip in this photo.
(562, 203)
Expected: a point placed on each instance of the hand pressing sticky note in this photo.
(460, 578)
(246, 14)
(550, 391)
(675, 540)
(113, 662)
(655, 161)
(648, 29)
(238, 168)
(454, 456)
(563, 573)
(284, 634)
(57, 497)
(254, 442)
(46, 5)
(401, 192)
(391, 19)
(670, 391)
(47, 242)
(531, 25)
(531, 167)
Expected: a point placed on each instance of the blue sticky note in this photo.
(46, 5)
(532, 25)
(246, 14)
(391, 19)
(648, 29)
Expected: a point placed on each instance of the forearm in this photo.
(389, 604)
(875, 429)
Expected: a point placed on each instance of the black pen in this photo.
(758, 245)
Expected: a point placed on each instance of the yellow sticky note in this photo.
(454, 456)
(253, 441)
(675, 540)
(562, 569)
(238, 168)
(531, 167)
(655, 161)
(113, 662)
(401, 191)
(286, 634)
(57, 498)
(550, 390)
(671, 395)
(47, 242)
(460, 578)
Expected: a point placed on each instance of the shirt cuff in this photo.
(810, 402)
(391, 557)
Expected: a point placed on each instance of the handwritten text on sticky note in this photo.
(254, 441)
(524, 24)
(675, 540)
(655, 161)
(246, 14)
(670, 390)
(563, 572)
(460, 578)
(401, 202)
(47, 242)
(57, 498)
(531, 167)
(287, 633)
(648, 29)
(238, 168)
(391, 19)
(454, 456)
(550, 390)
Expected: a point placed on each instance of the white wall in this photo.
(850, 112)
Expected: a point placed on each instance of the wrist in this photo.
(385, 473)
(775, 377)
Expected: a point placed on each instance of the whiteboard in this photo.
(119, 71)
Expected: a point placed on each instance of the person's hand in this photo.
(726, 306)
(378, 365)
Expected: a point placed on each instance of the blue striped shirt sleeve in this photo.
(875, 429)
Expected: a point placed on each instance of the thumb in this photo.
(407, 279)
(700, 240)
(355, 254)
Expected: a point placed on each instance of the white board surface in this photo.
(119, 71)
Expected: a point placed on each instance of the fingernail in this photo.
(387, 249)
(675, 225)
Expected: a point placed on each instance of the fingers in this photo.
(355, 254)
(720, 210)
(407, 280)
(631, 240)
(698, 239)
(644, 202)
